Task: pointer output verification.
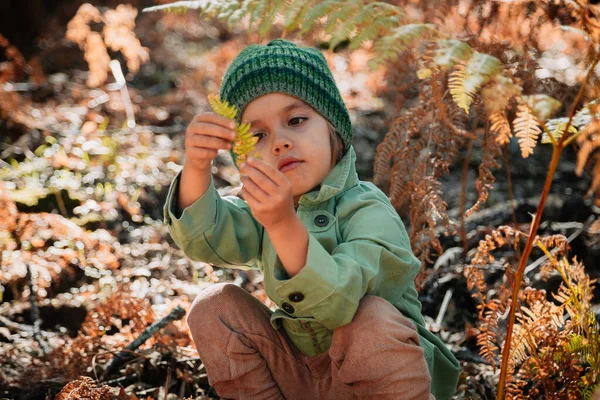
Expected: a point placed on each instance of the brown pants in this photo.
(376, 356)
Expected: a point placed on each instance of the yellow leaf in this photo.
(244, 142)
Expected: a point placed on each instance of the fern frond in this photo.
(343, 23)
(556, 127)
(456, 84)
(468, 77)
(295, 14)
(542, 105)
(584, 116)
(258, 13)
(238, 12)
(500, 127)
(375, 20)
(480, 69)
(245, 141)
(527, 129)
(222, 108)
(450, 52)
(484, 183)
(179, 6)
(401, 39)
(498, 92)
(319, 10)
(589, 140)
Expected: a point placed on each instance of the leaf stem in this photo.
(556, 153)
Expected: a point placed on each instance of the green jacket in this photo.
(357, 245)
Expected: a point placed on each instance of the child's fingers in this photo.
(208, 142)
(216, 119)
(273, 173)
(209, 129)
(251, 200)
(255, 190)
(201, 153)
(259, 178)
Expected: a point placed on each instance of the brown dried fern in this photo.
(117, 34)
(500, 127)
(527, 129)
(490, 153)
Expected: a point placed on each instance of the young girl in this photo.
(334, 253)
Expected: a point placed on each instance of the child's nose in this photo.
(282, 143)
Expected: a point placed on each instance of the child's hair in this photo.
(301, 72)
(337, 145)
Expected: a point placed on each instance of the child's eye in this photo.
(260, 135)
(297, 120)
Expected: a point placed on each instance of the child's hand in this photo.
(268, 192)
(204, 136)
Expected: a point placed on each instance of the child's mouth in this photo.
(290, 166)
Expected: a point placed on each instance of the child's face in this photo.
(293, 138)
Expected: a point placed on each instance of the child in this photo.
(334, 253)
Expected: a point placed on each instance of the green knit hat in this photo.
(282, 66)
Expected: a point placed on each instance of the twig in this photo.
(510, 189)
(20, 327)
(123, 355)
(168, 383)
(35, 315)
(443, 308)
(115, 67)
(61, 204)
(573, 236)
(121, 379)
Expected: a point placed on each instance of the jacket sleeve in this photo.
(374, 248)
(215, 230)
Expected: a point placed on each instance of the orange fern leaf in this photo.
(501, 127)
(527, 129)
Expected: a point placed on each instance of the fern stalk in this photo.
(556, 153)
(463, 193)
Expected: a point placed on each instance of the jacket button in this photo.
(296, 297)
(321, 221)
(287, 307)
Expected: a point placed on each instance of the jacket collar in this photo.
(341, 177)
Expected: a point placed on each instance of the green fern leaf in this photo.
(178, 5)
(275, 8)
(257, 13)
(456, 84)
(542, 105)
(450, 52)
(295, 13)
(222, 108)
(375, 20)
(480, 68)
(341, 15)
(240, 12)
(244, 141)
(342, 29)
(556, 127)
(389, 47)
(318, 11)
(224, 10)
(465, 80)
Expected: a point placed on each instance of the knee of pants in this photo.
(377, 318)
(210, 303)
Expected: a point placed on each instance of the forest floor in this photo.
(81, 202)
